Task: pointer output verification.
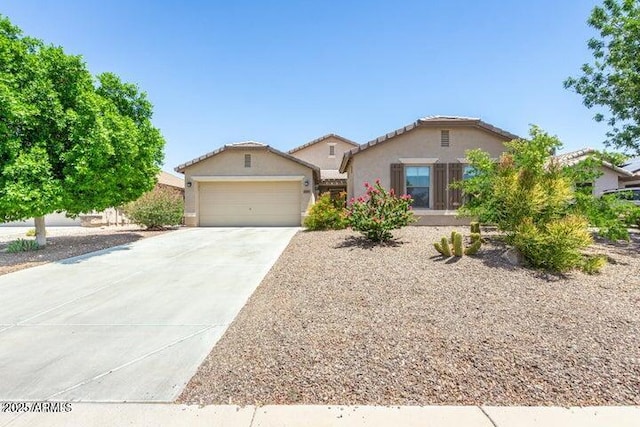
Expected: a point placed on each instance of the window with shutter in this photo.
(397, 178)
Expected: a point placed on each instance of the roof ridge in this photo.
(322, 138)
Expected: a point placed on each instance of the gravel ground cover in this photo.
(338, 321)
(65, 242)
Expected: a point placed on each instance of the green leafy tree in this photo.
(68, 142)
(613, 79)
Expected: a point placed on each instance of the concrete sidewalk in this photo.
(99, 414)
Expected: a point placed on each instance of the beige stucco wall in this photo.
(421, 142)
(318, 153)
(608, 181)
(230, 163)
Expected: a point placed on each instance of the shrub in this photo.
(554, 246)
(379, 212)
(524, 183)
(156, 209)
(328, 213)
(531, 198)
(22, 245)
(593, 264)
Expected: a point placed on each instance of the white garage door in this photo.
(232, 204)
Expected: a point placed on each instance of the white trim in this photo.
(462, 160)
(418, 160)
(246, 178)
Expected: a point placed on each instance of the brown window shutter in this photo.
(439, 186)
(455, 195)
(397, 178)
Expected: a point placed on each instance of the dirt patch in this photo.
(67, 242)
(340, 321)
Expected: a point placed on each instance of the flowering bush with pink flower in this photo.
(378, 212)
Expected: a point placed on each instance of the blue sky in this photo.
(287, 72)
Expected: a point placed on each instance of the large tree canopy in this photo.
(613, 80)
(68, 142)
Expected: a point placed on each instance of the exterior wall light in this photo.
(189, 184)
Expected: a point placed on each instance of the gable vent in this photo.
(247, 160)
(444, 138)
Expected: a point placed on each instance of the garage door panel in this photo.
(273, 203)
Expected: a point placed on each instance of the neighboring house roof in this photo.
(251, 145)
(332, 174)
(165, 178)
(633, 165)
(322, 138)
(574, 157)
(429, 121)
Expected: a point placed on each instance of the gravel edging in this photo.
(338, 321)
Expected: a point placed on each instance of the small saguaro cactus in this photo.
(457, 244)
(474, 247)
(443, 247)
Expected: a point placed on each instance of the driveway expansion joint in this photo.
(488, 416)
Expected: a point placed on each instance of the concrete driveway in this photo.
(130, 323)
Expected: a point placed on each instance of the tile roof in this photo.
(322, 138)
(332, 174)
(428, 121)
(574, 157)
(632, 165)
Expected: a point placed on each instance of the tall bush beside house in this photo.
(157, 209)
(530, 198)
(378, 212)
(328, 213)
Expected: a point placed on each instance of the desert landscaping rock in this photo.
(340, 321)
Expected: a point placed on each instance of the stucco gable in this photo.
(321, 139)
(445, 122)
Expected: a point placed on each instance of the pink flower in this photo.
(378, 181)
(392, 192)
(366, 184)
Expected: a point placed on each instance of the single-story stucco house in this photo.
(252, 184)
(248, 184)
(612, 177)
(326, 152)
(422, 159)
